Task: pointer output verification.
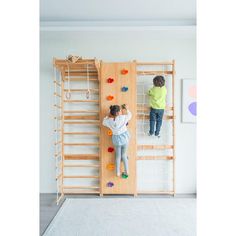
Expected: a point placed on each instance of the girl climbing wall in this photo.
(116, 121)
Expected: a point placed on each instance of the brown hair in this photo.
(114, 110)
(159, 81)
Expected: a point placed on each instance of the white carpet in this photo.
(125, 217)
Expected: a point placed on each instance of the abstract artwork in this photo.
(189, 101)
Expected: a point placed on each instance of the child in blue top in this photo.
(116, 121)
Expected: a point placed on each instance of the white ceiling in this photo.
(119, 10)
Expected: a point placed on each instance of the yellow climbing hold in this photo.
(109, 132)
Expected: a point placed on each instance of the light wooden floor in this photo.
(48, 207)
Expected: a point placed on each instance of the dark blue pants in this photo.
(156, 116)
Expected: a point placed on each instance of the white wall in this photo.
(160, 45)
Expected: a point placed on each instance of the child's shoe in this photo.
(118, 174)
(124, 175)
(149, 134)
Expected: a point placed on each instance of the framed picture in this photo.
(189, 101)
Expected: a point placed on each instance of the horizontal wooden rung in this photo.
(81, 156)
(146, 72)
(145, 107)
(82, 122)
(82, 165)
(80, 187)
(81, 133)
(80, 177)
(88, 117)
(81, 73)
(81, 144)
(81, 79)
(156, 192)
(80, 192)
(82, 111)
(140, 147)
(82, 90)
(71, 101)
(146, 117)
(154, 158)
(153, 63)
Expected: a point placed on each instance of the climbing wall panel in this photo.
(117, 87)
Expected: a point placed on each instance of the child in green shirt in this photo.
(157, 101)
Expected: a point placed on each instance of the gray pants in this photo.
(121, 154)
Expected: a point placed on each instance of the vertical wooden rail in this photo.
(62, 129)
(98, 66)
(173, 124)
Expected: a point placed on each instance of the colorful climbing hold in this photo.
(109, 132)
(124, 71)
(124, 176)
(110, 166)
(110, 80)
(124, 89)
(109, 98)
(110, 149)
(110, 184)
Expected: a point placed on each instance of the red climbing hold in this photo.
(124, 72)
(109, 98)
(110, 80)
(110, 149)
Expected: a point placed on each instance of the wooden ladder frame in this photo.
(67, 117)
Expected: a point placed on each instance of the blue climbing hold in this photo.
(124, 89)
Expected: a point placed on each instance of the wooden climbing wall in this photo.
(108, 177)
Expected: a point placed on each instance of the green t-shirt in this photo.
(157, 98)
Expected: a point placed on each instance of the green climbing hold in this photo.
(124, 176)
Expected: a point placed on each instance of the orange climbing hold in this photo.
(110, 166)
(124, 72)
(109, 98)
(109, 132)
